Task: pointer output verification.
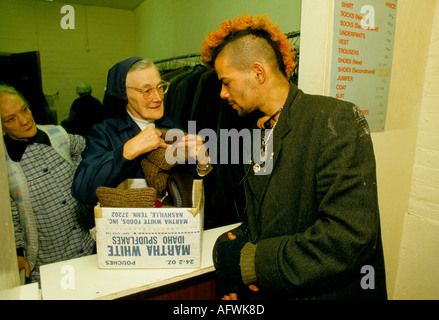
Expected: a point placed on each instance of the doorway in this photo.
(23, 71)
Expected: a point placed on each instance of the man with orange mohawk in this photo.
(311, 227)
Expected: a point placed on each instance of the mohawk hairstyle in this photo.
(261, 27)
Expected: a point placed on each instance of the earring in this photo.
(258, 78)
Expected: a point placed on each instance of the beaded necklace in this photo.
(257, 167)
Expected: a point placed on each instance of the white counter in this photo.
(81, 279)
(24, 292)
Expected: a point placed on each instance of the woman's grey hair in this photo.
(83, 89)
(142, 64)
(8, 89)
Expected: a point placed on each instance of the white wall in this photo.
(169, 28)
(30, 25)
(418, 268)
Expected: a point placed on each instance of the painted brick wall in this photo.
(418, 267)
(102, 37)
(425, 184)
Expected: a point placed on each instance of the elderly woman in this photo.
(49, 224)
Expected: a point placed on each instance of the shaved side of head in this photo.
(243, 50)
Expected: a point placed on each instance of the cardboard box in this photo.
(150, 237)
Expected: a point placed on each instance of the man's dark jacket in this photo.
(315, 218)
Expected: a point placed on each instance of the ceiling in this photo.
(117, 4)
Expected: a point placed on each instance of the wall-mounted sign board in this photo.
(362, 52)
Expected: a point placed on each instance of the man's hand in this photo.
(234, 295)
(146, 141)
(23, 265)
(196, 150)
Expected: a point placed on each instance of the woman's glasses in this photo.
(148, 93)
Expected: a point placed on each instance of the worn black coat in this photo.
(315, 217)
